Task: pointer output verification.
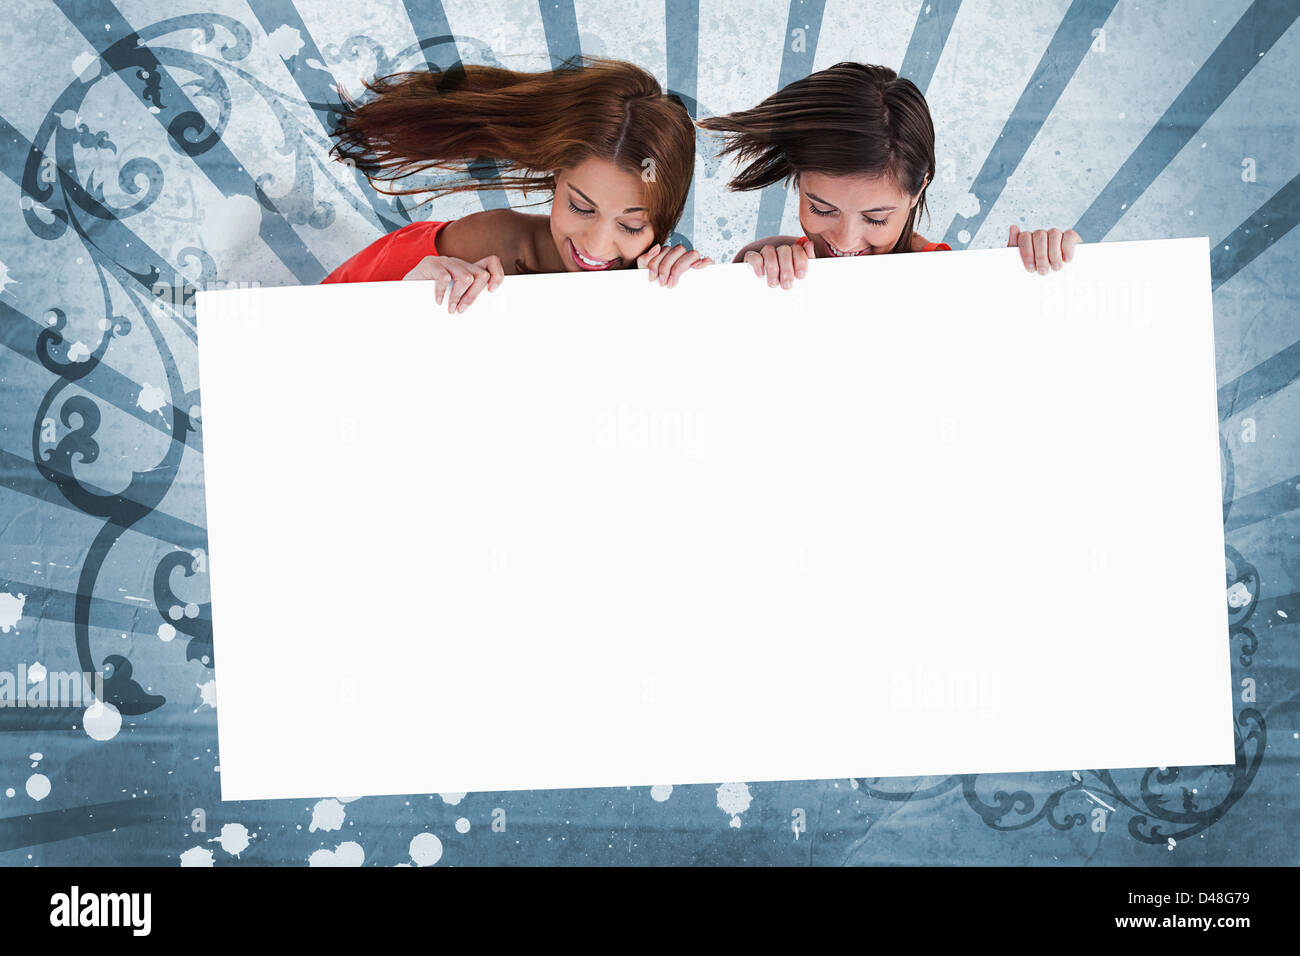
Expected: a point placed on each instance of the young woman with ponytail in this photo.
(614, 153)
(858, 142)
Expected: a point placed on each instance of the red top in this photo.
(390, 257)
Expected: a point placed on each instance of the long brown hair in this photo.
(849, 119)
(531, 124)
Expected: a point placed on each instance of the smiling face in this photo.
(599, 219)
(852, 215)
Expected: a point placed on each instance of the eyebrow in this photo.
(833, 206)
(594, 203)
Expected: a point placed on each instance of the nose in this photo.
(602, 241)
(849, 240)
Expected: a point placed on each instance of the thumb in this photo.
(1014, 237)
(808, 247)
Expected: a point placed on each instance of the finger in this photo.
(1054, 248)
(461, 279)
(682, 266)
(471, 293)
(755, 260)
(1040, 252)
(785, 257)
(800, 261)
(1068, 242)
(702, 261)
(442, 282)
(644, 260)
(1025, 240)
(495, 271)
(665, 267)
(770, 267)
(1013, 239)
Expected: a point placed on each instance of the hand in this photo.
(781, 264)
(462, 281)
(670, 264)
(1044, 249)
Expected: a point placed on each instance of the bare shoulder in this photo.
(758, 244)
(919, 243)
(505, 233)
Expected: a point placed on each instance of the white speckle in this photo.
(77, 351)
(197, 856)
(38, 786)
(426, 849)
(1281, 613)
(451, 799)
(36, 756)
(462, 825)
(661, 792)
(734, 799)
(36, 673)
(151, 398)
(233, 839)
(86, 67)
(346, 854)
(1121, 115)
(207, 694)
(11, 610)
(326, 815)
(285, 42)
(1172, 843)
(166, 632)
(102, 721)
(1238, 595)
(963, 236)
(10, 791)
(968, 206)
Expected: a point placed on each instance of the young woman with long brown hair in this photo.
(858, 142)
(613, 151)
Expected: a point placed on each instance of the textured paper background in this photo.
(1128, 120)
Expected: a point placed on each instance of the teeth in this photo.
(590, 262)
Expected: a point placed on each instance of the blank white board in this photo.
(922, 514)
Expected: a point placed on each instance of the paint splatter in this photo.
(207, 694)
(36, 673)
(196, 856)
(1238, 595)
(11, 610)
(151, 398)
(661, 792)
(327, 815)
(346, 854)
(102, 721)
(10, 791)
(285, 42)
(86, 66)
(426, 849)
(234, 838)
(451, 799)
(166, 632)
(38, 786)
(734, 799)
(462, 825)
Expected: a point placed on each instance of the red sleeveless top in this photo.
(392, 256)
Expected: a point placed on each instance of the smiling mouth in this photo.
(837, 252)
(588, 263)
